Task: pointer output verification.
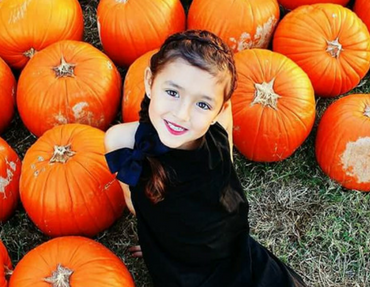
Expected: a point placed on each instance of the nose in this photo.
(183, 111)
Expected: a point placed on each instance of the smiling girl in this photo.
(175, 167)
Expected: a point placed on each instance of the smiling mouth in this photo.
(175, 129)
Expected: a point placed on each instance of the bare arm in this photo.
(225, 118)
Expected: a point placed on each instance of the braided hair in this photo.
(201, 49)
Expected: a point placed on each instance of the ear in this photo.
(148, 79)
(224, 114)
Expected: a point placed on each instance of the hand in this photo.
(136, 251)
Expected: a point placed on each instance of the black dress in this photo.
(198, 236)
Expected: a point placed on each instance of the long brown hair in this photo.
(201, 49)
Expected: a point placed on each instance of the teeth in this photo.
(175, 128)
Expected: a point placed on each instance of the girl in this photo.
(175, 167)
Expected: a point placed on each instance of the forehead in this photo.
(193, 79)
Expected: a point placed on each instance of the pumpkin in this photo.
(343, 142)
(10, 170)
(273, 105)
(329, 42)
(5, 265)
(292, 4)
(133, 88)
(7, 95)
(66, 187)
(29, 26)
(362, 10)
(68, 82)
(242, 24)
(71, 261)
(127, 30)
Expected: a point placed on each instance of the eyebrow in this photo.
(172, 84)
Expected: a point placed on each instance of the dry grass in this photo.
(307, 220)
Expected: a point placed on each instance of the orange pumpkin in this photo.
(362, 9)
(133, 88)
(7, 95)
(68, 82)
(329, 42)
(71, 261)
(29, 26)
(5, 265)
(10, 170)
(292, 4)
(343, 142)
(127, 30)
(242, 24)
(66, 187)
(273, 105)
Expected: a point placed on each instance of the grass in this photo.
(306, 219)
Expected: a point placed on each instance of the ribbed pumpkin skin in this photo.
(362, 9)
(5, 265)
(130, 28)
(91, 96)
(36, 24)
(10, 171)
(133, 88)
(92, 264)
(343, 142)
(262, 133)
(303, 36)
(292, 4)
(242, 24)
(7, 95)
(78, 197)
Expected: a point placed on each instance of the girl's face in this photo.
(185, 101)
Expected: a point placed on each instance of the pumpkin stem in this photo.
(367, 111)
(334, 48)
(64, 69)
(8, 272)
(62, 154)
(30, 53)
(265, 95)
(60, 277)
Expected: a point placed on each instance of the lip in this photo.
(172, 131)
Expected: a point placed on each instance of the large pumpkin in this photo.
(292, 4)
(68, 82)
(10, 170)
(71, 261)
(28, 26)
(66, 187)
(362, 9)
(273, 105)
(133, 88)
(7, 95)
(329, 42)
(242, 24)
(130, 28)
(343, 142)
(5, 265)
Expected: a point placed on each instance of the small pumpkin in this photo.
(133, 88)
(71, 261)
(329, 42)
(29, 26)
(7, 95)
(66, 187)
(68, 82)
(6, 267)
(10, 171)
(362, 10)
(242, 24)
(273, 105)
(343, 142)
(127, 30)
(292, 4)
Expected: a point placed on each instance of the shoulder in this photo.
(120, 136)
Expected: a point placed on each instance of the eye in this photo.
(172, 93)
(204, 106)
